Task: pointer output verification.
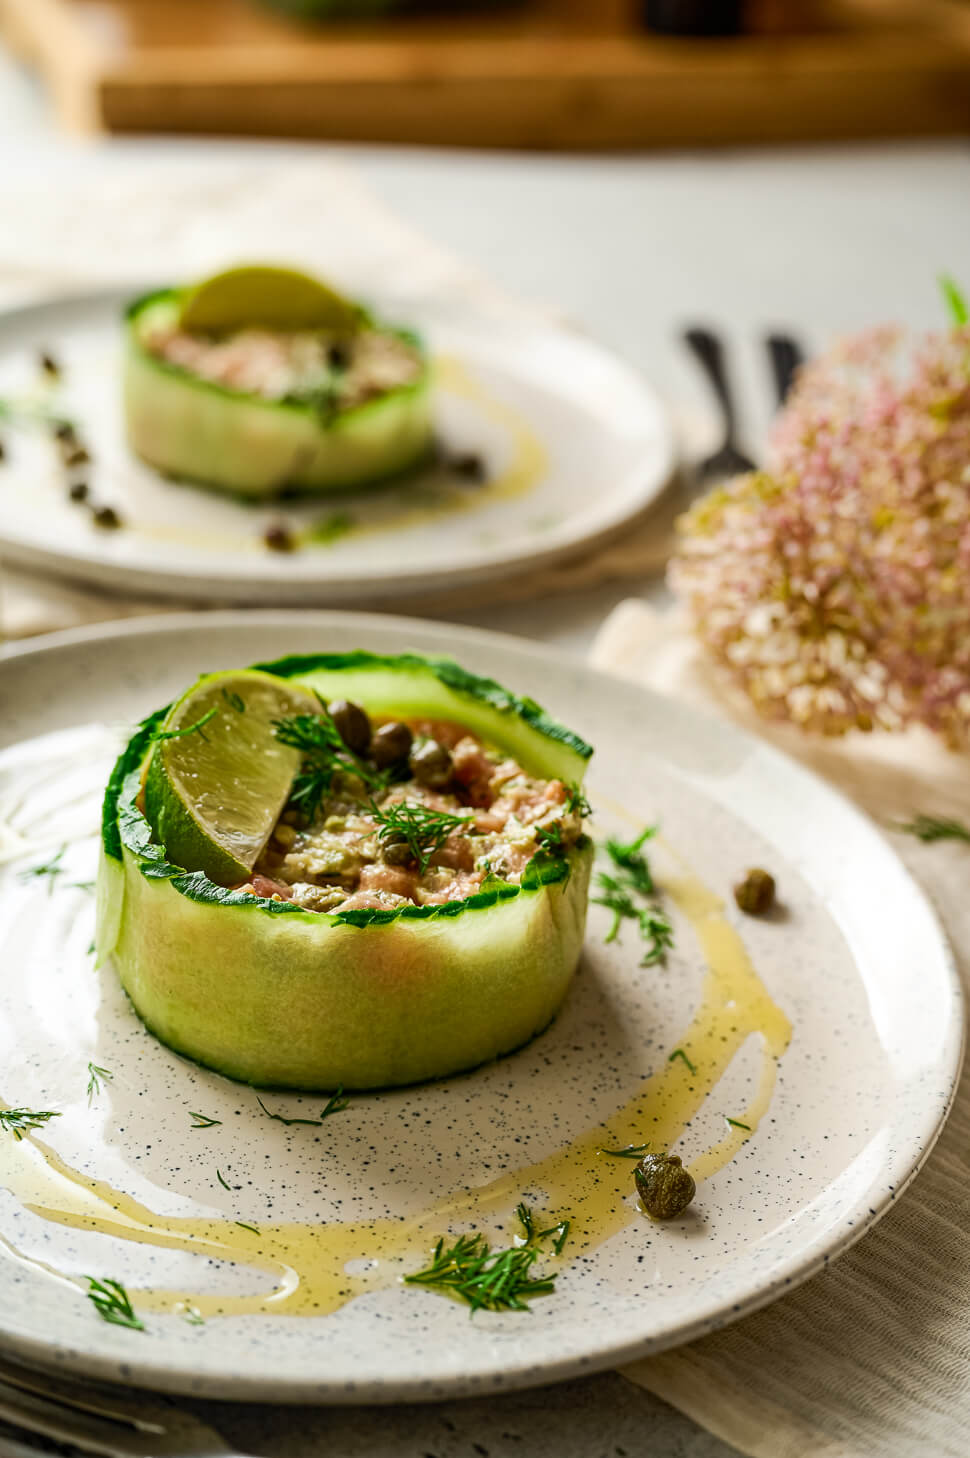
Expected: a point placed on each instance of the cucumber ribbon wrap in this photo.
(274, 995)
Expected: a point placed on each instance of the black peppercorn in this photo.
(106, 516)
(79, 491)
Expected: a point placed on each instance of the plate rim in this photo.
(815, 1254)
(161, 581)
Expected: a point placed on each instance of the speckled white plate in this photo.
(575, 442)
(856, 961)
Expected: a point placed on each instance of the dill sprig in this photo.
(95, 1075)
(526, 1219)
(335, 1105)
(679, 1053)
(19, 1122)
(486, 1279)
(222, 1180)
(935, 827)
(627, 894)
(422, 829)
(576, 801)
(325, 755)
(112, 1303)
(202, 1121)
(629, 1151)
(197, 728)
(736, 1123)
(51, 869)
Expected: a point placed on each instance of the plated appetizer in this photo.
(261, 380)
(346, 870)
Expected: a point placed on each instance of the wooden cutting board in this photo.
(577, 73)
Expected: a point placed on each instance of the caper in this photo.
(756, 893)
(664, 1186)
(432, 765)
(352, 724)
(396, 851)
(391, 744)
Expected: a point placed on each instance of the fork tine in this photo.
(102, 1420)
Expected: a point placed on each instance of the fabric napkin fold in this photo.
(870, 1359)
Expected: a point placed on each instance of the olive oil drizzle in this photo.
(307, 1263)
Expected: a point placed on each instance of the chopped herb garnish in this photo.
(190, 1313)
(222, 1180)
(679, 1053)
(324, 755)
(624, 893)
(576, 802)
(422, 829)
(243, 1226)
(83, 885)
(19, 1122)
(52, 869)
(95, 1075)
(550, 838)
(629, 1151)
(533, 1236)
(112, 1303)
(197, 728)
(955, 301)
(234, 701)
(934, 827)
(524, 1216)
(488, 1280)
(736, 1124)
(202, 1121)
(335, 1104)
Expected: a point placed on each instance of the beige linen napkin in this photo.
(128, 223)
(872, 1358)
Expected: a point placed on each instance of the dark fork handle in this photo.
(786, 357)
(707, 348)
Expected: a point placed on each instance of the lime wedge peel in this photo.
(218, 777)
(266, 297)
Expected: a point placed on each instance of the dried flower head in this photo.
(835, 585)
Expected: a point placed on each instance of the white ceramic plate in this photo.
(855, 961)
(575, 443)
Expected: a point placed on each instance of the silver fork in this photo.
(99, 1420)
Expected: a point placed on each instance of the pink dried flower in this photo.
(835, 585)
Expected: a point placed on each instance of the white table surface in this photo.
(629, 248)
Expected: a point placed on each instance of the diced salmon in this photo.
(263, 886)
(396, 879)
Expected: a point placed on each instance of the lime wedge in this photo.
(218, 776)
(260, 296)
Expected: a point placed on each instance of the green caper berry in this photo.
(664, 1186)
(391, 744)
(432, 765)
(396, 851)
(352, 724)
(756, 893)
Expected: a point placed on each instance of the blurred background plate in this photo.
(573, 442)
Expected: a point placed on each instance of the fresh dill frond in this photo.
(222, 1180)
(526, 1219)
(51, 869)
(657, 932)
(243, 1226)
(234, 700)
(737, 1124)
(679, 1053)
(422, 829)
(202, 1121)
(629, 1151)
(624, 890)
(19, 1122)
(524, 1216)
(935, 827)
(550, 838)
(197, 728)
(486, 1279)
(576, 801)
(325, 755)
(335, 1104)
(95, 1075)
(112, 1303)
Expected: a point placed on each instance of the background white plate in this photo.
(856, 960)
(543, 404)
